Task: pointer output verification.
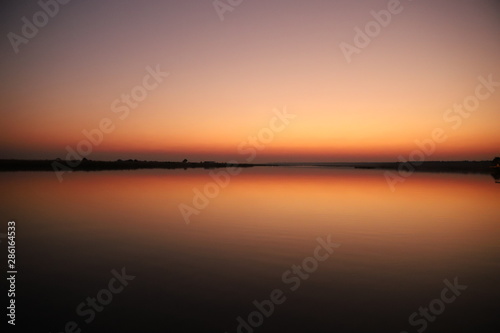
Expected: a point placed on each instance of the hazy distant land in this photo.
(90, 165)
(490, 167)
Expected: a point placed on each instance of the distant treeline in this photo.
(90, 165)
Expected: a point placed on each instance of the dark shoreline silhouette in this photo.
(485, 167)
(90, 165)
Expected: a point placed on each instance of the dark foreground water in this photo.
(319, 250)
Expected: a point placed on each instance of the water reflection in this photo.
(397, 248)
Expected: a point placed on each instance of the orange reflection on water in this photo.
(262, 204)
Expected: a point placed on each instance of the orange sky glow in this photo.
(225, 78)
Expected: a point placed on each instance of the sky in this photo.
(354, 88)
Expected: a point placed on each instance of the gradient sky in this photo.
(226, 77)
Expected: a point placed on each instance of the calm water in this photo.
(396, 249)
